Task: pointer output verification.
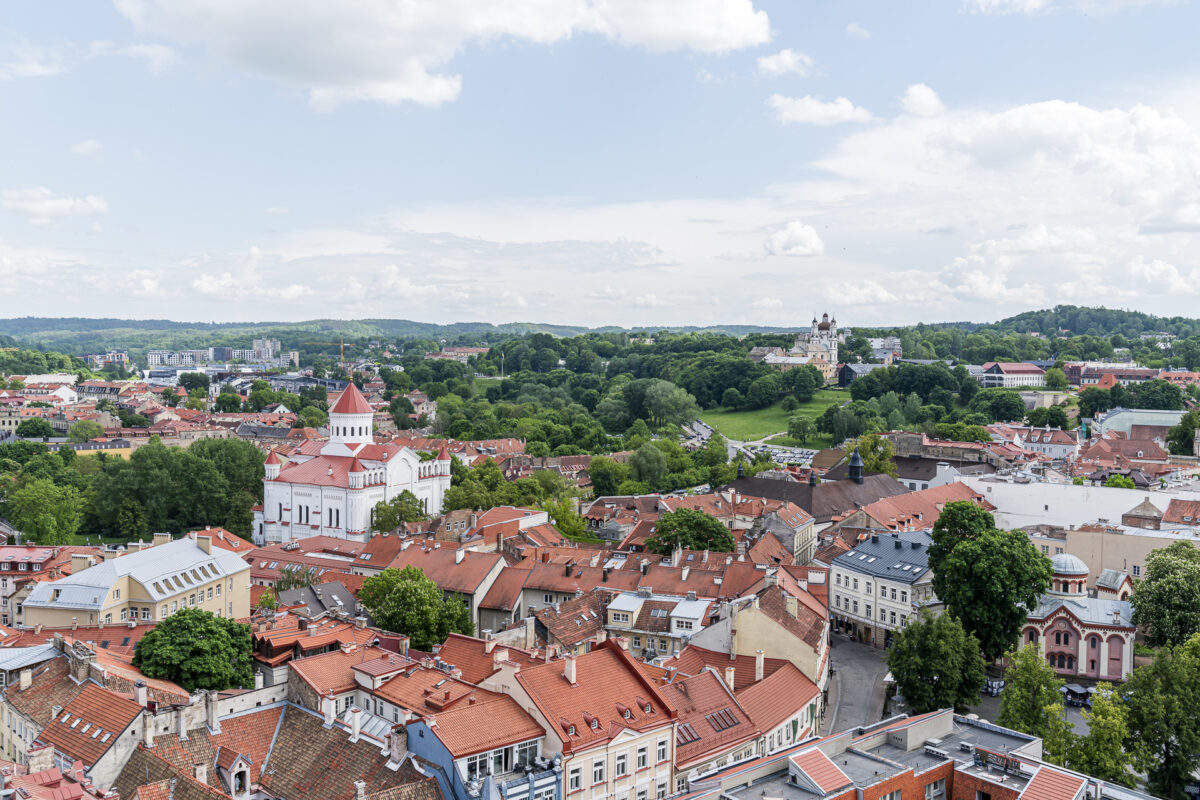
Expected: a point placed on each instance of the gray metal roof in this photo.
(21, 657)
(1111, 578)
(163, 571)
(1096, 610)
(901, 557)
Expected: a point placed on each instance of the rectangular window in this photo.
(218, 590)
(210, 593)
(856, 584)
(575, 781)
(904, 597)
(855, 606)
(163, 615)
(883, 615)
(643, 794)
(982, 795)
(662, 751)
(891, 795)
(868, 610)
(1057, 552)
(935, 790)
(1045, 550)
(622, 765)
(548, 598)
(116, 594)
(637, 641)
(838, 579)
(643, 757)
(1137, 570)
(893, 620)
(903, 620)
(661, 792)
(598, 772)
(893, 592)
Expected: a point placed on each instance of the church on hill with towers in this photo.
(331, 488)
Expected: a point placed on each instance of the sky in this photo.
(598, 162)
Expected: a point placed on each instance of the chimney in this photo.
(302, 624)
(395, 747)
(54, 712)
(360, 790)
(489, 642)
(139, 693)
(182, 726)
(691, 595)
(148, 729)
(258, 680)
(569, 669)
(26, 679)
(458, 555)
(683, 573)
(160, 538)
(759, 662)
(356, 722)
(200, 771)
(205, 543)
(79, 563)
(327, 705)
(729, 673)
(212, 713)
(791, 604)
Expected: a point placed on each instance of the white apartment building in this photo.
(880, 585)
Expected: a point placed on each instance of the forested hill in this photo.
(1082, 321)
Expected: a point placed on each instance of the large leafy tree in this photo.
(1164, 728)
(1032, 702)
(876, 453)
(197, 650)
(84, 431)
(45, 513)
(34, 428)
(936, 664)
(406, 601)
(391, 514)
(1181, 440)
(648, 464)
(690, 528)
(1101, 753)
(606, 475)
(564, 517)
(801, 428)
(1166, 602)
(988, 578)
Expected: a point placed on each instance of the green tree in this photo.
(789, 404)
(876, 453)
(45, 513)
(564, 517)
(801, 429)
(194, 381)
(312, 417)
(228, 401)
(84, 431)
(131, 519)
(1181, 439)
(240, 520)
(268, 601)
(1166, 601)
(34, 428)
(1120, 482)
(1164, 728)
(1032, 702)
(1056, 380)
(1101, 753)
(936, 663)
(690, 528)
(648, 464)
(197, 650)
(986, 577)
(668, 404)
(732, 398)
(763, 391)
(606, 475)
(391, 514)
(406, 601)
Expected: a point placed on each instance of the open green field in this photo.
(750, 426)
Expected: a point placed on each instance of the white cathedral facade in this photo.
(331, 488)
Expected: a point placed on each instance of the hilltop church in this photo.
(331, 488)
(818, 347)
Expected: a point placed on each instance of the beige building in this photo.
(1103, 545)
(151, 584)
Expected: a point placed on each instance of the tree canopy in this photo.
(986, 577)
(1166, 601)
(197, 650)
(84, 431)
(391, 514)
(689, 528)
(406, 601)
(1164, 728)
(936, 663)
(34, 428)
(1033, 703)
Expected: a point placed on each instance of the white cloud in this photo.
(30, 61)
(858, 31)
(796, 239)
(922, 101)
(864, 293)
(35, 61)
(767, 303)
(88, 147)
(513, 299)
(809, 110)
(649, 300)
(1159, 277)
(41, 205)
(392, 53)
(786, 61)
(157, 56)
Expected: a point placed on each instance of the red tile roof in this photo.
(692, 660)
(334, 671)
(1182, 512)
(777, 696)
(821, 771)
(1050, 784)
(609, 695)
(352, 402)
(710, 718)
(90, 724)
(491, 722)
(470, 655)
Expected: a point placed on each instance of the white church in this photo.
(331, 488)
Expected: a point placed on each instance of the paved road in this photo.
(856, 691)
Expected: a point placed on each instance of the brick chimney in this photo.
(200, 772)
(791, 604)
(360, 790)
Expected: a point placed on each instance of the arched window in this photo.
(1066, 638)
(1057, 637)
(1094, 642)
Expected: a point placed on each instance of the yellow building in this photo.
(151, 584)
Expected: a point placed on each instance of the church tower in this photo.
(350, 418)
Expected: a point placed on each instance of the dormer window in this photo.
(571, 730)
(647, 709)
(595, 724)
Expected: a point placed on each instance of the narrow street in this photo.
(856, 689)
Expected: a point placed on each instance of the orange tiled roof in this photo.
(333, 672)
(710, 718)
(692, 660)
(90, 724)
(777, 696)
(491, 722)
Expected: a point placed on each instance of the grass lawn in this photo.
(749, 426)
